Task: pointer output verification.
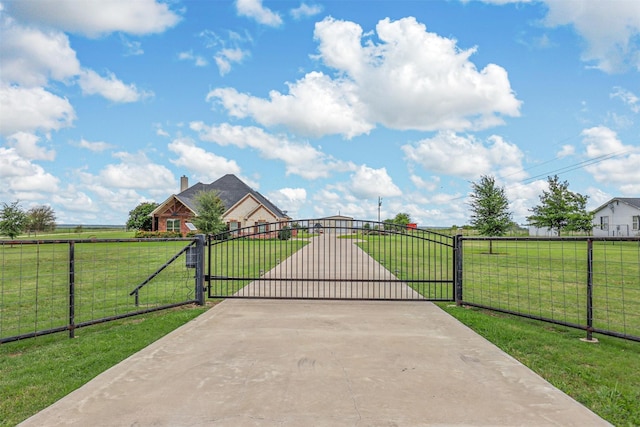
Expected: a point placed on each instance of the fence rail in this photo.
(590, 283)
(50, 286)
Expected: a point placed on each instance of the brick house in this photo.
(245, 207)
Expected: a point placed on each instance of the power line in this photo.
(559, 171)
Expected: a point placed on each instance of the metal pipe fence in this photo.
(588, 283)
(50, 286)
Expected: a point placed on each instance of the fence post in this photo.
(457, 268)
(72, 293)
(589, 289)
(200, 269)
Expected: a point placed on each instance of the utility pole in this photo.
(379, 204)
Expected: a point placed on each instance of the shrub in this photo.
(140, 234)
(285, 233)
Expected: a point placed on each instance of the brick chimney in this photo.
(184, 183)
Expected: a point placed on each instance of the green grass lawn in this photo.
(546, 279)
(418, 255)
(78, 233)
(35, 279)
(549, 279)
(35, 282)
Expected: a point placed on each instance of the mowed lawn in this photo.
(548, 278)
(35, 277)
(540, 278)
(423, 259)
(35, 283)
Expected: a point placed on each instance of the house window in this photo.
(173, 225)
(604, 223)
(636, 222)
(233, 227)
(261, 227)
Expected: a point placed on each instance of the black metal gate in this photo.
(331, 259)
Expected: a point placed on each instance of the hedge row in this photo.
(157, 234)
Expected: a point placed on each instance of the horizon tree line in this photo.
(559, 210)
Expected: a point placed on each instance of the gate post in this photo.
(457, 268)
(72, 290)
(589, 289)
(200, 269)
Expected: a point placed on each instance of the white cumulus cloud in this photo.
(30, 56)
(315, 105)
(95, 146)
(136, 171)
(411, 79)
(227, 56)
(255, 9)
(367, 183)
(616, 164)
(26, 145)
(205, 165)
(95, 18)
(110, 87)
(299, 158)
(628, 98)
(305, 10)
(32, 109)
(27, 180)
(466, 157)
(289, 199)
(198, 61)
(610, 28)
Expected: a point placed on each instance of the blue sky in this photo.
(322, 106)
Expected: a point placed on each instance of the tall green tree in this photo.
(561, 209)
(490, 213)
(13, 220)
(210, 210)
(139, 218)
(41, 218)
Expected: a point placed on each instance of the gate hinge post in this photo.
(200, 269)
(457, 268)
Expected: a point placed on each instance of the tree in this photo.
(13, 220)
(210, 209)
(41, 218)
(561, 209)
(139, 217)
(402, 219)
(399, 222)
(284, 233)
(490, 213)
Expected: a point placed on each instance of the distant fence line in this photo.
(590, 283)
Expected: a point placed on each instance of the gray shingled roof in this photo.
(633, 201)
(230, 189)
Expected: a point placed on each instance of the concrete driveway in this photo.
(319, 363)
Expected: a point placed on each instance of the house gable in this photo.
(244, 206)
(618, 217)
